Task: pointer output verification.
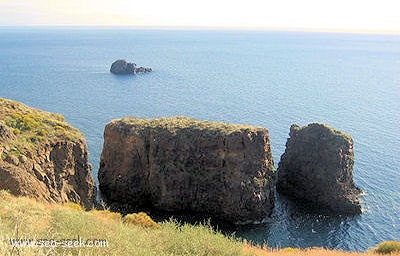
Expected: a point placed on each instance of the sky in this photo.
(329, 15)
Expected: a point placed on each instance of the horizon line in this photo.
(238, 28)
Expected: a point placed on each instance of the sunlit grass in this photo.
(134, 234)
(31, 127)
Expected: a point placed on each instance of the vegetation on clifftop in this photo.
(31, 127)
(28, 220)
(339, 134)
(173, 124)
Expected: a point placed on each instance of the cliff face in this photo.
(317, 167)
(43, 157)
(182, 164)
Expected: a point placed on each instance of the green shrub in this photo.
(140, 219)
(24, 121)
(15, 152)
(43, 132)
(387, 247)
(32, 126)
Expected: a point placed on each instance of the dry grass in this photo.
(24, 218)
(173, 124)
(32, 127)
(261, 251)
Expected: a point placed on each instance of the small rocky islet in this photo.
(176, 164)
(123, 67)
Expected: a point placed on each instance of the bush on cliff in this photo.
(33, 126)
(387, 247)
(140, 219)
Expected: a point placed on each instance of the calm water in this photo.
(271, 79)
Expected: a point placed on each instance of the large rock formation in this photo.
(43, 157)
(122, 67)
(317, 168)
(182, 164)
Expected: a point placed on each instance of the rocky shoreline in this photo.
(177, 164)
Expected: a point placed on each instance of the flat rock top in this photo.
(173, 124)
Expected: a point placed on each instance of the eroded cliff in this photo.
(182, 164)
(43, 157)
(317, 167)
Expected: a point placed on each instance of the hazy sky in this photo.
(364, 15)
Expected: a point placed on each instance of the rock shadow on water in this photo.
(296, 224)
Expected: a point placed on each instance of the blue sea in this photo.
(262, 78)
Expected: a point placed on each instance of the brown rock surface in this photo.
(317, 168)
(43, 157)
(182, 164)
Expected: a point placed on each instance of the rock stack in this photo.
(316, 168)
(183, 164)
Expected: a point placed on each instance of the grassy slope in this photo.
(26, 218)
(32, 127)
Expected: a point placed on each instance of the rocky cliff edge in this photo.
(43, 157)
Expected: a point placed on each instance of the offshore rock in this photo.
(183, 164)
(123, 67)
(316, 168)
(43, 157)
